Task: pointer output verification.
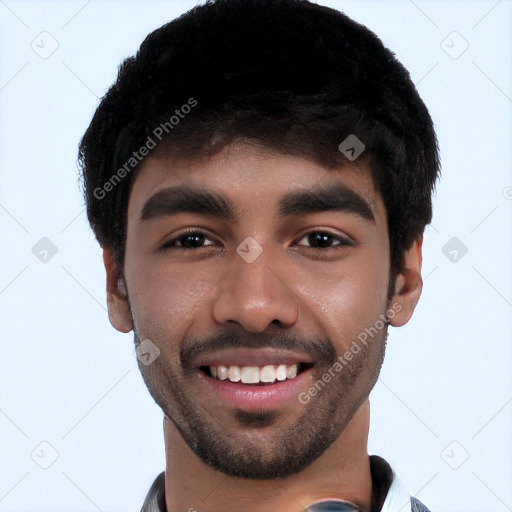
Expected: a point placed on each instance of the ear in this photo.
(117, 297)
(408, 286)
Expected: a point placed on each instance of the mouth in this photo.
(253, 380)
(256, 375)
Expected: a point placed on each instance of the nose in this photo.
(257, 294)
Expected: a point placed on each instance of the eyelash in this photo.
(343, 241)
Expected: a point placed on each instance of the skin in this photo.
(219, 458)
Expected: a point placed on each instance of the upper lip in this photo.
(242, 356)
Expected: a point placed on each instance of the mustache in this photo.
(321, 351)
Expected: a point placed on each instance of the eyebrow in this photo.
(181, 199)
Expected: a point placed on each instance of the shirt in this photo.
(387, 483)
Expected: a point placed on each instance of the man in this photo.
(259, 178)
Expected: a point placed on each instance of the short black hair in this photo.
(288, 75)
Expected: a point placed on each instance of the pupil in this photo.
(322, 239)
(196, 239)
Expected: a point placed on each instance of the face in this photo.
(252, 276)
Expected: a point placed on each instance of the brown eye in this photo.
(324, 240)
(191, 240)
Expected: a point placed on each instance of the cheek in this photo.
(350, 297)
(165, 301)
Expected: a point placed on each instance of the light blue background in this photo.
(68, 378)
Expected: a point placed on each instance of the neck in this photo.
(341, 472)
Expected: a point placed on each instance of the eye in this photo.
(320, 239)
(188, 240)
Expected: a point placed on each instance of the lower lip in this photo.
(256, 397)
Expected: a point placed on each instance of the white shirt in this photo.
(398, 498)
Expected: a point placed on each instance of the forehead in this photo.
(252, 178)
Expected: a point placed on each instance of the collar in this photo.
(397, 497)
(388, 485)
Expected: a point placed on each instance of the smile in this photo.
(253, 379)
(260, 375)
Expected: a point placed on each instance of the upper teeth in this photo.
(255, 374)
